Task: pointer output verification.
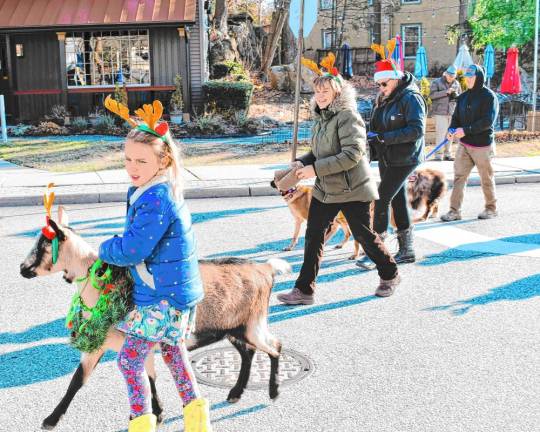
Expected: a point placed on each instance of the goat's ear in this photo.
(63, 217)
(59, 233)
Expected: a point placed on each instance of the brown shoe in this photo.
(387, 287)
(296, 297)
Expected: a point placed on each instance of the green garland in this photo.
(114, 302)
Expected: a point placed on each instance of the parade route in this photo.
(454, 350)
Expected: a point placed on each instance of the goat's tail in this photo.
(279, 266)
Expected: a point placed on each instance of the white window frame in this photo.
(326, 8)
(325, 32)
(404, 39)
(132, 34)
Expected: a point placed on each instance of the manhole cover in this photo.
(219, 367)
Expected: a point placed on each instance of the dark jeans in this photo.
(320, 218)
(392, 189)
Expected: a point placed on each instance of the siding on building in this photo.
(169, 58)
(196, 65)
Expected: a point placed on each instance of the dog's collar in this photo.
(288, 192)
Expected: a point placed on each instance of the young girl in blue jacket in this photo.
(158, 246)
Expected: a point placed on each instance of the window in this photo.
(326, 4)
(411, 1)
(412, 39)
(328, 37)
(370, 3)
(108, 58)
(19, 50)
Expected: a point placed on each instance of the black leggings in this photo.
(320, 218)
(392, 189)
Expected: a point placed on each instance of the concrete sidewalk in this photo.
(25, 186)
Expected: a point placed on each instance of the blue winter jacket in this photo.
(158, 246)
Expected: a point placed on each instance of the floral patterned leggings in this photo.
(131, 363)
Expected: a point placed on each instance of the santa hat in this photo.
(387, 69)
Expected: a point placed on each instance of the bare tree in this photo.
(221, 16)
(278, 21)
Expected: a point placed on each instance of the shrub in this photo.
(79, 124)
(207, 125)
(425, 91)
(19, 130)
(221, 96)
(177, 99)
(105, 124)
(58, 114)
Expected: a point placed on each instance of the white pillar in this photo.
(3, 119)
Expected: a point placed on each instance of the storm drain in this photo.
(220, 367)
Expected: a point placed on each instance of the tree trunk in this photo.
(288, 44)
(220, 18)
(278, 20)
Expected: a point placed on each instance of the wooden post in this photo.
(63, 67)
(298, 81)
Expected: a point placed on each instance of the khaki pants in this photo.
(442, 123)
(466, 159)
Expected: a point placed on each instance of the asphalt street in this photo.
(455, 349)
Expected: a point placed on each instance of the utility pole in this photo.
(535, 72)
(377, 10)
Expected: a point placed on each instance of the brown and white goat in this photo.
(235, 306)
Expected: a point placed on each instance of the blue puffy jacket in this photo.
(158, 246)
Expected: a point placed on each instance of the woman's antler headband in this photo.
(149, 113)
(327, 63)
(390, 47)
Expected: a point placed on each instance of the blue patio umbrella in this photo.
(420, 66)
(489, 61)
(346, 61)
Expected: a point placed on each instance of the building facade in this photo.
(61, 52)
(418, 22)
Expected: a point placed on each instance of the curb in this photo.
(201, 193)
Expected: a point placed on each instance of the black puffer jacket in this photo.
(476, 112)
(400, 120)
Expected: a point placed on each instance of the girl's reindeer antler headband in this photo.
(47, 230)
(327, 63)
(149, 113)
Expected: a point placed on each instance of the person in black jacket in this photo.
(397, 135)
(474, 122)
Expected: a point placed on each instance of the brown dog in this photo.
(298, 200)
(425, 189)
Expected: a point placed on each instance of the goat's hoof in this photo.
(49, 423)
(338, 246)
(353, 257)
(274, 393)
(288, 248)
(234, 396)
(159, 418)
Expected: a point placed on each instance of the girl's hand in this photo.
(296, 164)
(306, 173)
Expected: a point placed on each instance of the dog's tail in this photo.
(279, 266)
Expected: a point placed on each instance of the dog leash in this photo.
(432, 152)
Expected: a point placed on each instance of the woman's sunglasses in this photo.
(382, 84)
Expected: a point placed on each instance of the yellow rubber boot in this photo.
(197, 416)
(144, 423)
